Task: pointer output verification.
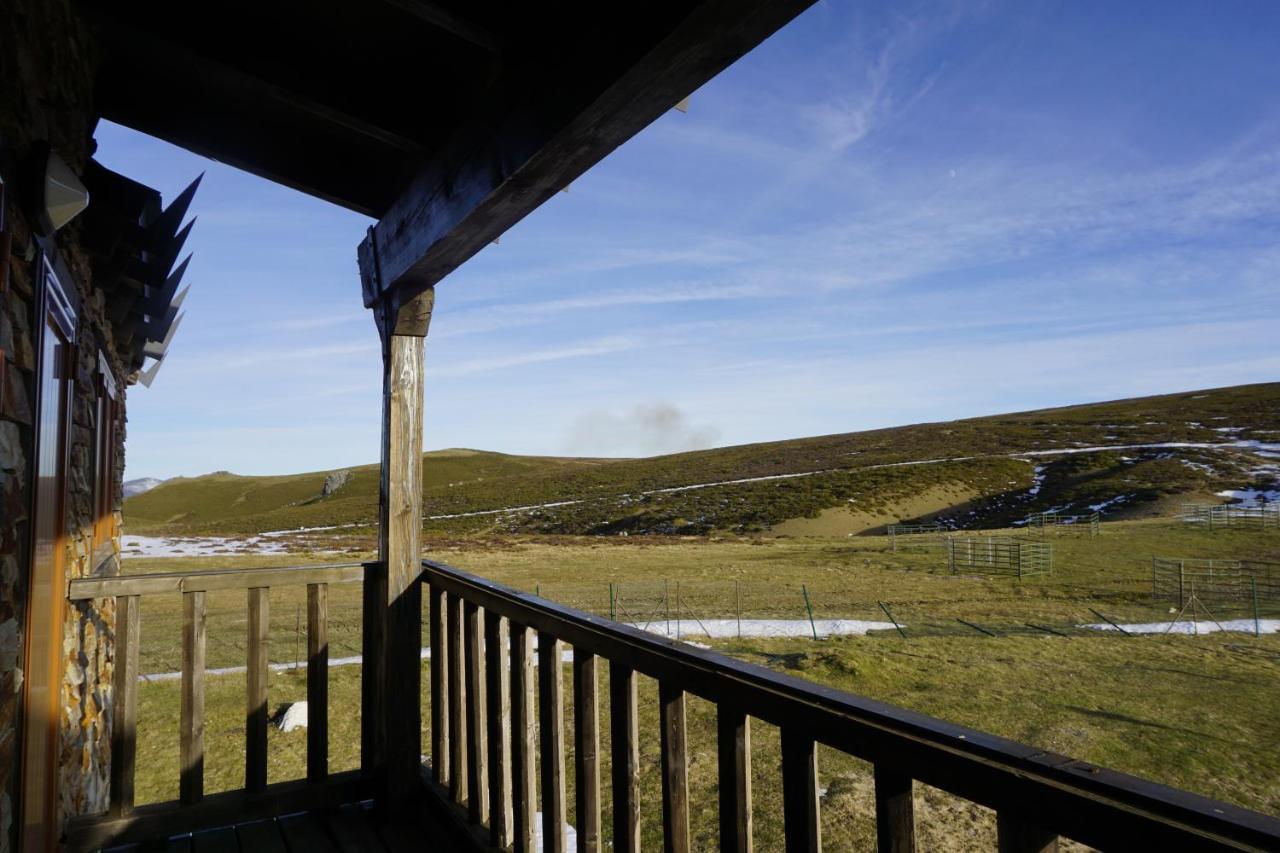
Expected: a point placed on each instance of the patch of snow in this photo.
(1108, 503)
(722, 629)
(1252, 497)
(1228, 429)
(570, 834)
(196, 546)
(1187, 626)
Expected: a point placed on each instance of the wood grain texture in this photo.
(895, 812)
(124, 721)
(675, 769)
(191, 731)
(551, 720)
(82, 589)
(1017, 835)
(438, 631)
(800, 817)
(400, 549)
(524, 739)
(477, 724)
(317, 682)
(457, 705)
(498, 693)
(586, 749)
(255, 716)
(733, 744)
(624, 730)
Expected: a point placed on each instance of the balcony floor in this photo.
(348, 828)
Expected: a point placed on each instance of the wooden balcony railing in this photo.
(484, 743)
(124, 822)
(489, 742)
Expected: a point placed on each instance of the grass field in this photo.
(1195, 712)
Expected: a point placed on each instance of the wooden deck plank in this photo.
(261, 835)
(306, 833)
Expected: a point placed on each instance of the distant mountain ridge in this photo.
(139, 486)
(1130, 457)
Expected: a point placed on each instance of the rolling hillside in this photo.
(1125, 457)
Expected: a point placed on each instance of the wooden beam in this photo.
(400, 550)
(439, 633)
(551, 720)
(255, 718)
(498, 690)
(191, 724)
(586, 749)
(124, 721)
(317, 682)
(443, 19)
(675, 769)
(734, 759)
(624, 727)
(552, 126)
(477, 710)
(524, 740)
(895, 812)
(174, 582)
(801, 821)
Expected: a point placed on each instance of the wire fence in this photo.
(919, 536)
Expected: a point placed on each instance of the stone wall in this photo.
(46, 74)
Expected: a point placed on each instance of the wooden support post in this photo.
(551, 714)
(675, 770)
(400, 547)
(524, 739)
(457, 705)
(734, 748)
(498, 690)
(800, 819)
(477, 728)
(895, 812)
(124, 721)
(586, 750)
(255, 716)
(317, 682)
(1016, 835)
(439, 632)
(191, 732)
(624, 723)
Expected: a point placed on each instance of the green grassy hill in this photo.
(986, 471)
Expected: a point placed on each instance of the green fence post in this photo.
(613, 613)
(807, 604)
(737, 604)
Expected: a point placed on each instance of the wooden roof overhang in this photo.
(448, 122)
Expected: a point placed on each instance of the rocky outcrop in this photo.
(334, 482)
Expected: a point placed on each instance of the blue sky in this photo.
(888, 213)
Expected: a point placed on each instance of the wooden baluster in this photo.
(895, 812)
(624, 723)
(800, 818)
(1020, 836)
(586, 749)
(524, 743)
(317, 682)
(457, 705)
(191, 748)
(255, 726)
(439, 631)
(124, 721)
(734, 747)
(498, 688)
(477, 729)
(551, 714)
(675, 770)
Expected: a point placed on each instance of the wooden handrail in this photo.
(1035, 793)
(80, 589)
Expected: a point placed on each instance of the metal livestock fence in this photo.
(1043, 522)
(1009, 555)
(1221, 516)
(927, 535)
(1238, 584)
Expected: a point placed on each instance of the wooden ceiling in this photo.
(447, 121)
